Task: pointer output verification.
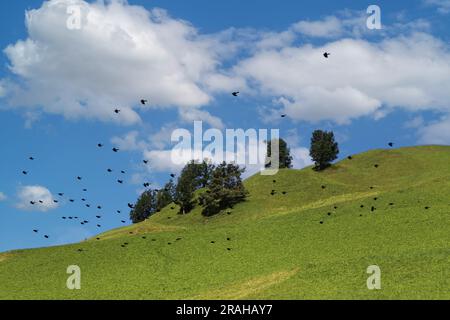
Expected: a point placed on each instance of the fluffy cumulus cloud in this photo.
(120, 54)
(437, 132)
(360, 78)
(3, 197)
(26, 194)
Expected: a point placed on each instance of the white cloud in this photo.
(192, 115)
(443, 6)
(3, 196)
(329, 27)
(436, 133)
(122, 53)
(35, 194)
(129, 142)
(411, 72)
(300, 157)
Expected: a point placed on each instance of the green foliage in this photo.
(323, 149)
(165, 196)
(224, 190)
(194, 176)
(285, 158)
(144, 207)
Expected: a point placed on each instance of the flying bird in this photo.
(391, 144)
(35, 231)
(60, 194)
(109, 170)
(144, 102)
(32, 202)
(120, 181)
(172, 175)
(115, 149)
(31, 158)
(79, 178)
(145, 161)
(100, 145)
(283, 116)
(117, 111)
(326, 54)
(24, 172)
(46, 236)
(131, 206)
(235, 94)
(84, 190)
(123, 171)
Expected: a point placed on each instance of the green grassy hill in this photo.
(273, 247)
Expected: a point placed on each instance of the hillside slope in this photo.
(313, 242)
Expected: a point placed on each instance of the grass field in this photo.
(278, 247)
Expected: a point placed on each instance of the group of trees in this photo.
(221, 184)
(222, 188)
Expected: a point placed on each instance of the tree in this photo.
(285, 158)
(144, 207)
(194, 176)
(224, 189)
(165, 196)
(323, 149)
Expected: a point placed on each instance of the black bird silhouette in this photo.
(100, 145)
(426, 208)
(144, 102)
(55, 201)
(79, 178)
(71, 200)
(64, 218)
(99, 226)
(235, 94)
(99, 207)
(123, 221)
(146, 185)
(40, 201)
(115, 149)
(120, 181)
(32, 202)
(376, 166)
(373, 209)
(60, 194)
(88, 205)
(98, 217)
(83, 199)
(131, 206)
(46, 236)
(172, 175)
(229, 249)
(283, 115)
(145, 161)
(109, 170)
(117, 111)
(326, 54)
(213, 242)
(25, 172)
(70, 218)
(323, 187)
(362, 206)
(229, 239)
(391, 144)
(84, 190)
(118, 211)
(284, 192)
(35, 231)
(349, 157)
(31, 158)
(144, 237)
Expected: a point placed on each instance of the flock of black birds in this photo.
(147, 184)
(121, 181)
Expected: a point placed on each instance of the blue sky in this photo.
(59, 87)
